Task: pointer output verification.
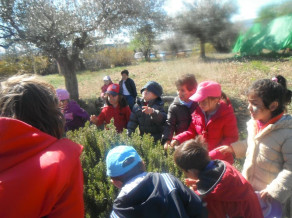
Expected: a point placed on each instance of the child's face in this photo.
(184, 94)
(63, 103)
(113, 100)
(148, 96)
(124, 76)
(106, 82)
(257, 109)
(209, 105)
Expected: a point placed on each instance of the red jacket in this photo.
(40, 176)
(227, 192)
(121, 116)
(221, 129)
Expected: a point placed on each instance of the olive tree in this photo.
(205, 19)
(62, 29)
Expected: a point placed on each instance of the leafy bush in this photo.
(11, 65)
(106, 58)
(99, 193)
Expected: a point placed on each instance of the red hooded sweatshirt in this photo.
(227, 193)
(40, 175)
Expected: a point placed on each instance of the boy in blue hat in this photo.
(146, 194)
(148, 113)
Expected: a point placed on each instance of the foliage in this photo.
(143, 41)
(274, 10)
(205, 19)
(62, 29)
(106, 58)
(11, 65)
(99, 193)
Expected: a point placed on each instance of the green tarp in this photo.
(274, 36)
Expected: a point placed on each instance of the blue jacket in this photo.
(158, 196)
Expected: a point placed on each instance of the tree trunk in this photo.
(68, 70)
(202, 49)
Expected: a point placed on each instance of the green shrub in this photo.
(99, 193)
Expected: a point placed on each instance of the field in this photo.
(235, 76)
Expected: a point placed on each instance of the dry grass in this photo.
(234, 76)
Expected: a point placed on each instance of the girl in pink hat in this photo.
(75, 116)
(214, 119)
(116, 108)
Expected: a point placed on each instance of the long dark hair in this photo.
(33, 102)
(122, 101)
(272, 90)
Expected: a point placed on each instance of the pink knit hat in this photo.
(206, 89)
(62, 94)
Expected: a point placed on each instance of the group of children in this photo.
(205, 137)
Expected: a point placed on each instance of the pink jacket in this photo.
(221, 129)
(40, 175)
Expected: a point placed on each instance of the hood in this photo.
(208, 179)
(214, 183)
(20, 141)
(148, 194)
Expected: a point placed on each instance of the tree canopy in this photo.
(206, 19)
(62, 29)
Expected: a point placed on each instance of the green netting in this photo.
(274, 36)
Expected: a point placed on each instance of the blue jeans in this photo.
(131, 100)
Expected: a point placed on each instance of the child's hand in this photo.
(192, 183)
(265, 195)
(93, 119)
(174, 143)
(147, 110)
(167, 145)
(224, 149)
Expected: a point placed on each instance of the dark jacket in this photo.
(178, 119)
(152, 123)
(159, 196)
(130, 85)
(227, 193)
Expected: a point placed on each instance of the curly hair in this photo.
(270, 91)
(33, 102)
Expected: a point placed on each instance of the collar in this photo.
(188, 104)
(131, 184)
(260, 126)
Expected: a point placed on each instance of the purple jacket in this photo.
(75, 116)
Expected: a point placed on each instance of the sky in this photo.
(248, 9)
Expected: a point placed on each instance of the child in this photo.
(116, 107)
(107, 81)
(148, 113)
(179, 112)
(128, 88)
(268, 150)
(221, 186)
(40, 173)
(145, 194)
(214, 119)
(75, 116)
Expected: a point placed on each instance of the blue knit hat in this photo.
(153, 87)
(121, 159)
